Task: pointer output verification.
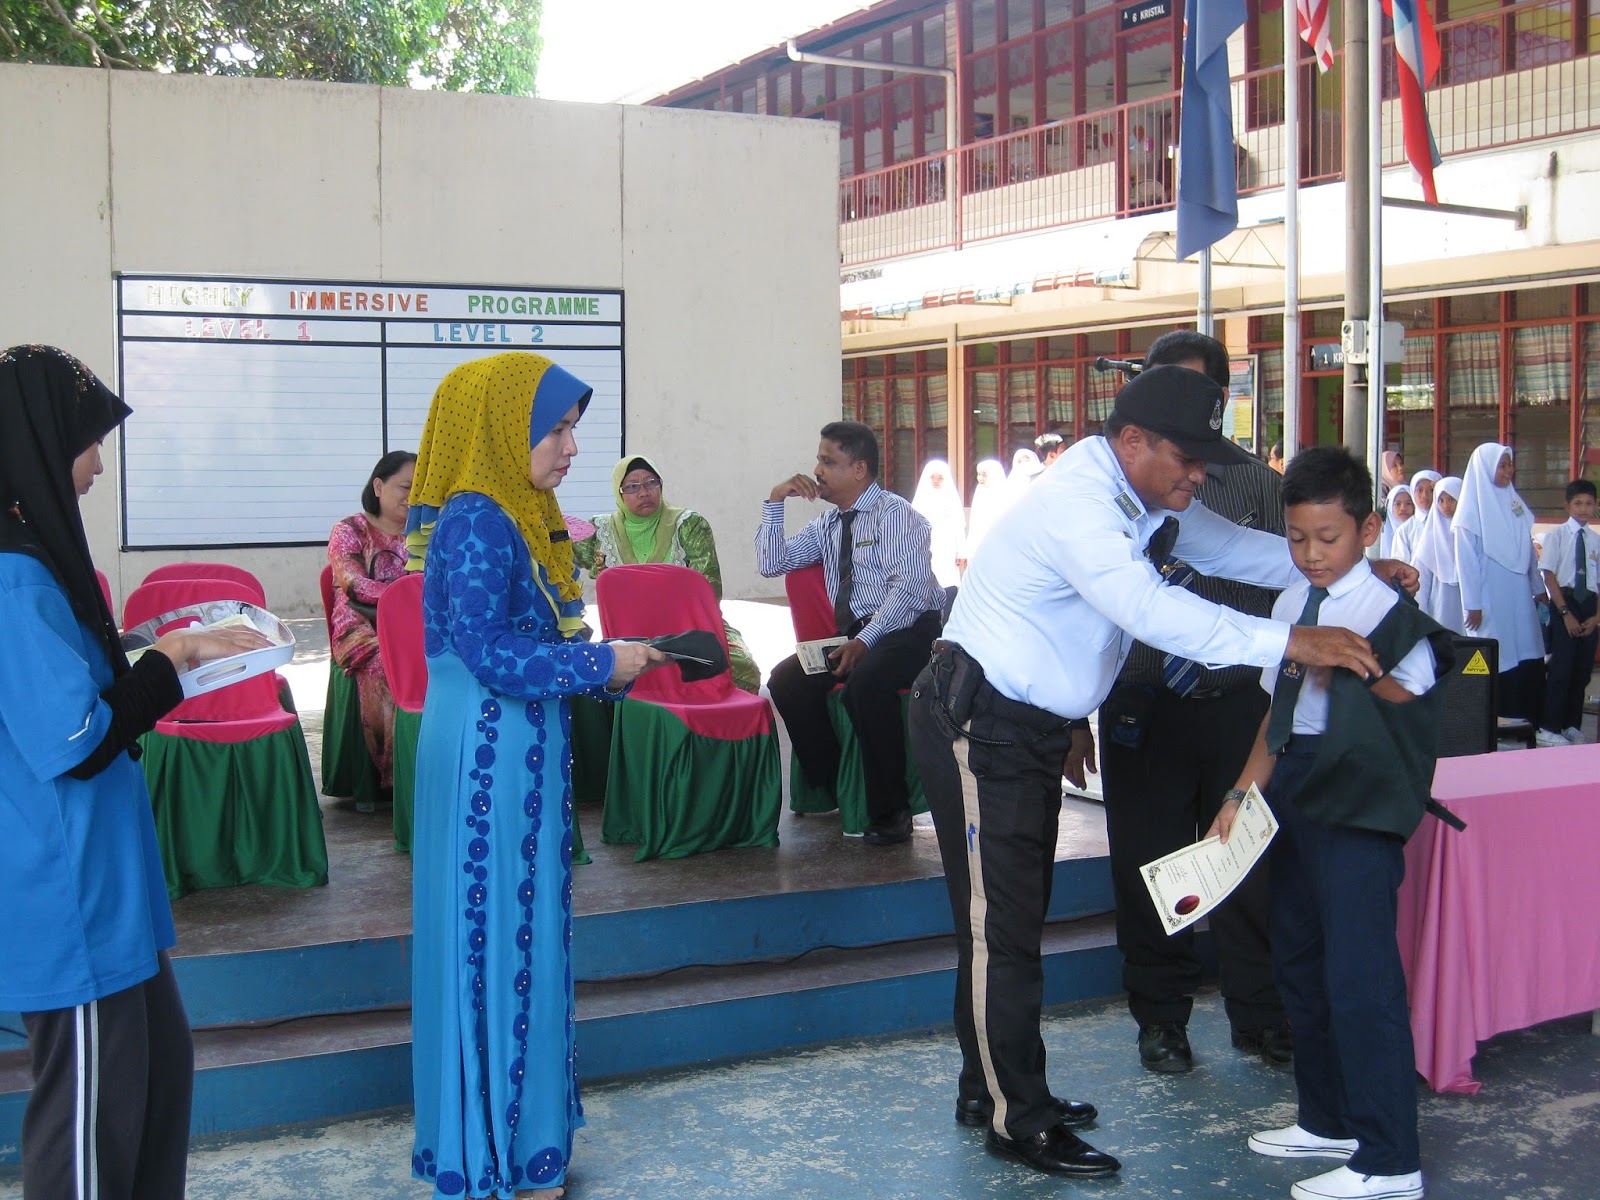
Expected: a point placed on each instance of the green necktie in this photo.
(1290, 676)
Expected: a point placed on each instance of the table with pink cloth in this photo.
(1498, 925)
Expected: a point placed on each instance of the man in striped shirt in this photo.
(1169, 751)
(873, 548)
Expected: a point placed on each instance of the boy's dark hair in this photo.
(1181, 345)
(388, 467)
(1329, 475)
(1580, 487)
(856, 440)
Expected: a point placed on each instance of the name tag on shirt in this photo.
(1128, 505)
(868, 542)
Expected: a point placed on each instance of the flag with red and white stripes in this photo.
(1314, 21)
(1416, 46)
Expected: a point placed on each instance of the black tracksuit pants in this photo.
(108, 1118)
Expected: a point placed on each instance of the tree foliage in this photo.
(461, 45)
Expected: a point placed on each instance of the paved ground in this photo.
(871, 1119)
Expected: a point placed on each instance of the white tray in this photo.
(219, 672)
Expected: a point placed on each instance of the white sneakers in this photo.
(1573, 734)
(1545, 738)
(1342, 1183)
(1294, 1142)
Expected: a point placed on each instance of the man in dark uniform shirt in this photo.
(1167, 758)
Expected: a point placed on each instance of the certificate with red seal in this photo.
(1187, 884)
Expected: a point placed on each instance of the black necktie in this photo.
(842, 616)
(1580, 572)
(1180, 675)
(1290, 676)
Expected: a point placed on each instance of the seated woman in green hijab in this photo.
(646, 529)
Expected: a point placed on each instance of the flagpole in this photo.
(1377, 373)
(1356, 246)
(1291, 234)
(1206, 322)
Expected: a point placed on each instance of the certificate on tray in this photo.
(218, 614)
(1187, 884)
(813, 656)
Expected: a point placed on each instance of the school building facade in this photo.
(1004, 224)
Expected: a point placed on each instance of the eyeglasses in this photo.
(644, 485)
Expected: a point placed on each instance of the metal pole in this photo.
(1206, 322)
(1377, 373)
(1291, 235)
(1357, 218)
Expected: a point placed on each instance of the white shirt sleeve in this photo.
(1107, 568)
(1469, 563)
(1214, 545)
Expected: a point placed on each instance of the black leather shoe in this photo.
(1275, 1043)
(890, 830)
(1056, 1150)
(1164, 1047)
(1074, 1114)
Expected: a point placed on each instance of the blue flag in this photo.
(1208, 184)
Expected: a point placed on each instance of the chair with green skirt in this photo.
(694, 765)
(347, 767)
(811, 613)
(405, 666)
(229, 776)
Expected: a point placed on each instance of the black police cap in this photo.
(1182, 406)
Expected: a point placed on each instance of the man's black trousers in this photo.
(1162, 796)
(996, 810)
(871, 697)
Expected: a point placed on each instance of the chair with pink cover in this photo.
(405, 666)
(694, 765)
(229, 775)
(811, 613)
(207, 570)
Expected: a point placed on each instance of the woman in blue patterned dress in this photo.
(492, 1001)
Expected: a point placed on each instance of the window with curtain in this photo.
(1410, 399)
(935, 413)
(1472, 382)
(984, 389)
(1060, 391)
(1099, 391)
(1541, 394)
(903, 465)
(1022, 410)
(1589, 398)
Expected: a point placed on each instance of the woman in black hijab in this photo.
(87, 926)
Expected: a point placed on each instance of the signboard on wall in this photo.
(1239, 417)
(260, 405)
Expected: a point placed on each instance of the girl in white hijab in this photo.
(988, 502)
(1439, 580)
(938, 499)
(1025, 468)
(1500, 576)
(1399, 508)
(1422, 486)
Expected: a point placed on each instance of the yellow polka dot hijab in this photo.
(486, 417)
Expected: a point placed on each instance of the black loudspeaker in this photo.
(1467, 725)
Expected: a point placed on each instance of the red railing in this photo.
(1501, 86)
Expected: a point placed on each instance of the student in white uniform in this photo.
(1500, 576)
(1041, 625)
(939, 500)
(1422, 493)
(1399, 508)
(1438, 579)
(988, 502)
(1571, 569)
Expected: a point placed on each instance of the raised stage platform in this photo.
(300, 999)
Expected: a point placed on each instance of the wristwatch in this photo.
(1234, 794)
(1561, 612)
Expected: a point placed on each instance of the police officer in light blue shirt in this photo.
(1049, 607)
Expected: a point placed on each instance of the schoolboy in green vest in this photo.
(1346, 764)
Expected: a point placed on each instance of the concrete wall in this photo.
(720, 229)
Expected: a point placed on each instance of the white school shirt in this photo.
(1559, 554)
(1061, 588)
(1357, 600)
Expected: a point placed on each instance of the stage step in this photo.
(317, 1067)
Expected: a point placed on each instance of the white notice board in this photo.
(260, 405)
